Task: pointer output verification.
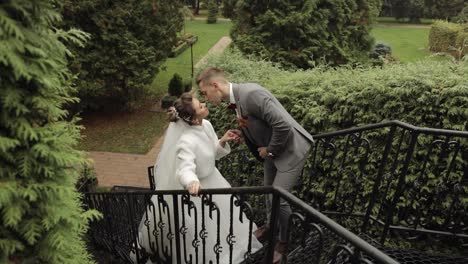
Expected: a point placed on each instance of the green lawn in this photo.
(134, 132)
(408, 42)
(208, 35)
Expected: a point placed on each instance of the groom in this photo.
(271, 134)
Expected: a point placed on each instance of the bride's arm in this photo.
(222, 147)
(185, 163)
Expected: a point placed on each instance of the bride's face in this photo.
(200, 109)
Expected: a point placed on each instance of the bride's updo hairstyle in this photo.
(182, 109)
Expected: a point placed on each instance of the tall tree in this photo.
(42, 220)
(228, 9)
(444, 9)
(130, 41)
(300, 33)
(212, 12)
(412, 9)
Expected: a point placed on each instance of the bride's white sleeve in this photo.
(220, 151)
(185, 163)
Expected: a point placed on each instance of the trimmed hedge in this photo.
(426, 93)
(445, 36)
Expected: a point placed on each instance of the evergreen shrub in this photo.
(187, 86)
(426, 93)
(302, 34)
(176, 85)
(212, 12)
(447, 37)
(41, 213)
(462, 16)
(167, 101)
(381, 50)
(130, 40)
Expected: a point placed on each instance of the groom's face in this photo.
(210, 91)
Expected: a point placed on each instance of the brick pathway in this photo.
(132, 169)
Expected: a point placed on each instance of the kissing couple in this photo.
(187, 161)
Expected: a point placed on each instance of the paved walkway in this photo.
(132, 169)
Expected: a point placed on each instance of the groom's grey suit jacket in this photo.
(271, 126)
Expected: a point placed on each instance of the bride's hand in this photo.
(238, 138)
(230, 135)
(194, 187)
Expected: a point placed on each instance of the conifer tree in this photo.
(212, 12)
(300, 33)
(42, 220)
(130, 40)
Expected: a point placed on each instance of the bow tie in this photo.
(232, 106)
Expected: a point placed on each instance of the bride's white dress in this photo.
(188, 154)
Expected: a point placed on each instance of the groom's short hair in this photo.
(209, 74)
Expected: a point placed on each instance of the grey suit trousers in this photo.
(285, 180)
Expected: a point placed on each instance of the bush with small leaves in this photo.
(43, 218)
(176, 86)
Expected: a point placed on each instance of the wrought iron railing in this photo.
(395, 184)
(403, 189)
(126, 217)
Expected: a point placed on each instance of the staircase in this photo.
(402, 188)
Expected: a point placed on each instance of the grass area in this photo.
(208, 35)
(133, 132)
(408, 43)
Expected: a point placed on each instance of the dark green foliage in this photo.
(228, 9)
(212, 12)
(304, 33)
(462, 17)
(428, 94)
(444, 9)
(412, 9)
(87, 182)
(381, 54)
(42, 219)
(381, 50)
(176, 85)
(130, 40)
(416, 9)
(187, 86)
(167, 101)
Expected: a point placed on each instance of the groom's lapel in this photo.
(235, 91)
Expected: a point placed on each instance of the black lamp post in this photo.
(191, 58)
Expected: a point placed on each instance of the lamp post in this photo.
(191, 58)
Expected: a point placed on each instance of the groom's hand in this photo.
(262, 151)
(239, 138)
(242, 121)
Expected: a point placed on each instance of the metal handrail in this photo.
(389, 124)
(278, 193)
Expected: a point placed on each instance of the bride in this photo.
(209, 229)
